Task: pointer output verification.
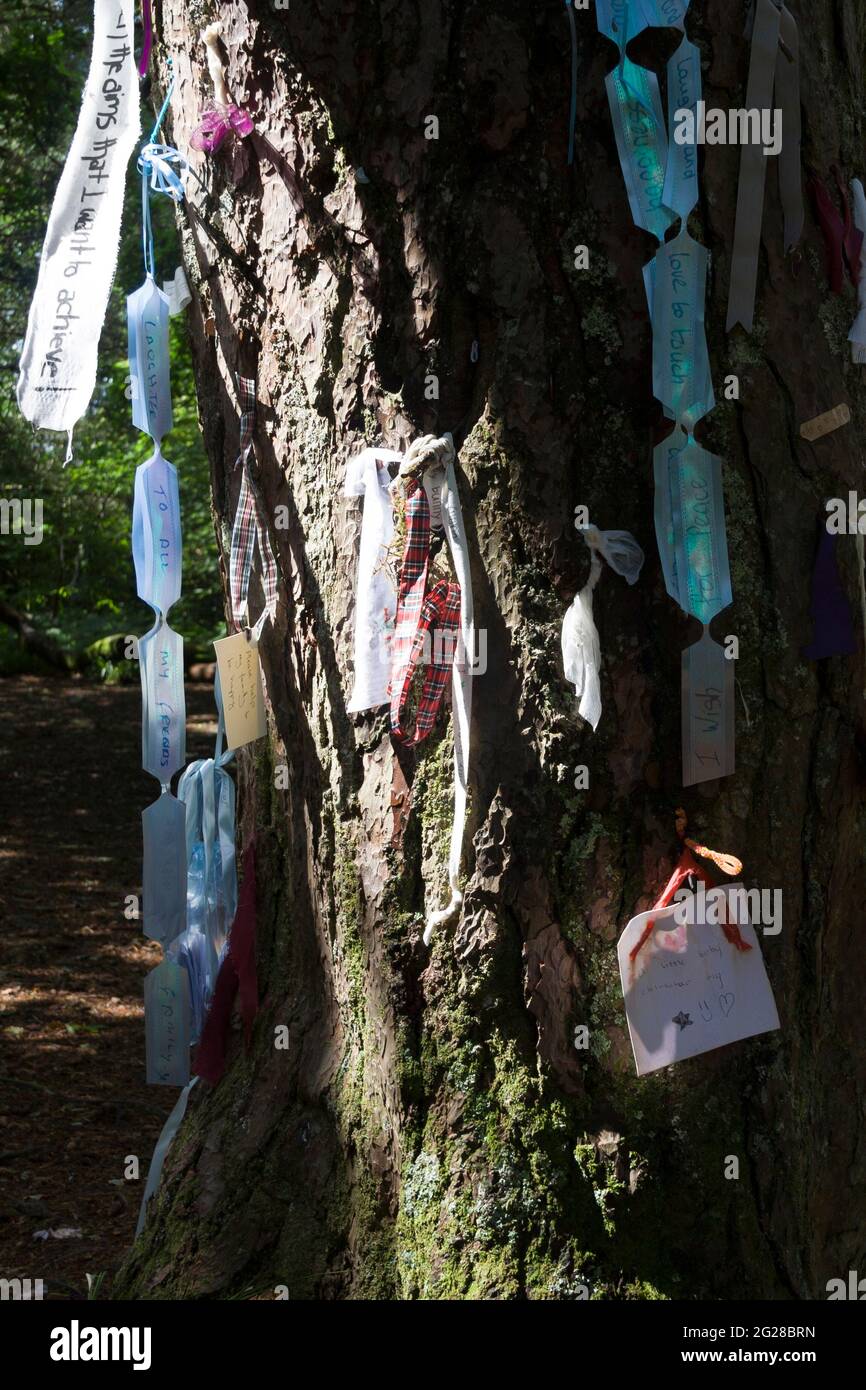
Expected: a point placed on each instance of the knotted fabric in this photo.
(426, 624)
(429, 464)
(250, 528)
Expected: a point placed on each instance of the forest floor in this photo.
(73, 1100)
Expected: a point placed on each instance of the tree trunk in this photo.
(432, 1131)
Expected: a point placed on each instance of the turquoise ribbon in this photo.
(690, 520)
(681, 363)
(661, 179)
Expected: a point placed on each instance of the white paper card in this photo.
(689, 989)
(240, 675)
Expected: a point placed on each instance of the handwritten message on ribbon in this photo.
(58, 363)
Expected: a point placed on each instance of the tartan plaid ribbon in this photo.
(250, 527)
(423, 621)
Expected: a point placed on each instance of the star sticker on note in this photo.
(684, 1020)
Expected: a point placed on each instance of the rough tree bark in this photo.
(432, 1131)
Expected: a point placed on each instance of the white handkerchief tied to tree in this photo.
(581, 649)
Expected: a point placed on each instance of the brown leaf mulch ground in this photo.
(73, 1098)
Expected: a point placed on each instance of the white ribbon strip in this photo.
(375, 591)
(79, 255)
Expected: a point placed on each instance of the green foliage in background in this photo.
(79, 584)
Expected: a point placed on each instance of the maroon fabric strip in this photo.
(237, 976)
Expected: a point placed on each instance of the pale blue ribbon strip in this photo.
(681, 365)
(147, 317)
(208, 792)
(684, 93)
(156, 533)
(163, 826)
(167, 1023)
(163, 724)
(707, 712)
(169, 1130)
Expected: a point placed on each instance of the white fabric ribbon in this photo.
(79, 255)
(581, 649)
(857, 336)
(375, 593)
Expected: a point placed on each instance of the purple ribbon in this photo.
(831, 611)
(145, 52)
(216, 124)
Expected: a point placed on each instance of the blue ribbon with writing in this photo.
(156, 533)
(167, 1015)
(661, 179)
(147, 316)
(157, 557)
(156, 550)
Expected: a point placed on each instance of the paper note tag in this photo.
(240, 676)
(167, 1025)
(825, 424)
(689, 989)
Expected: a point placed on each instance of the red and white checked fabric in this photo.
(250, 527)
(424, 622)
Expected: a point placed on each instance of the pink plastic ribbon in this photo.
(216, 124)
